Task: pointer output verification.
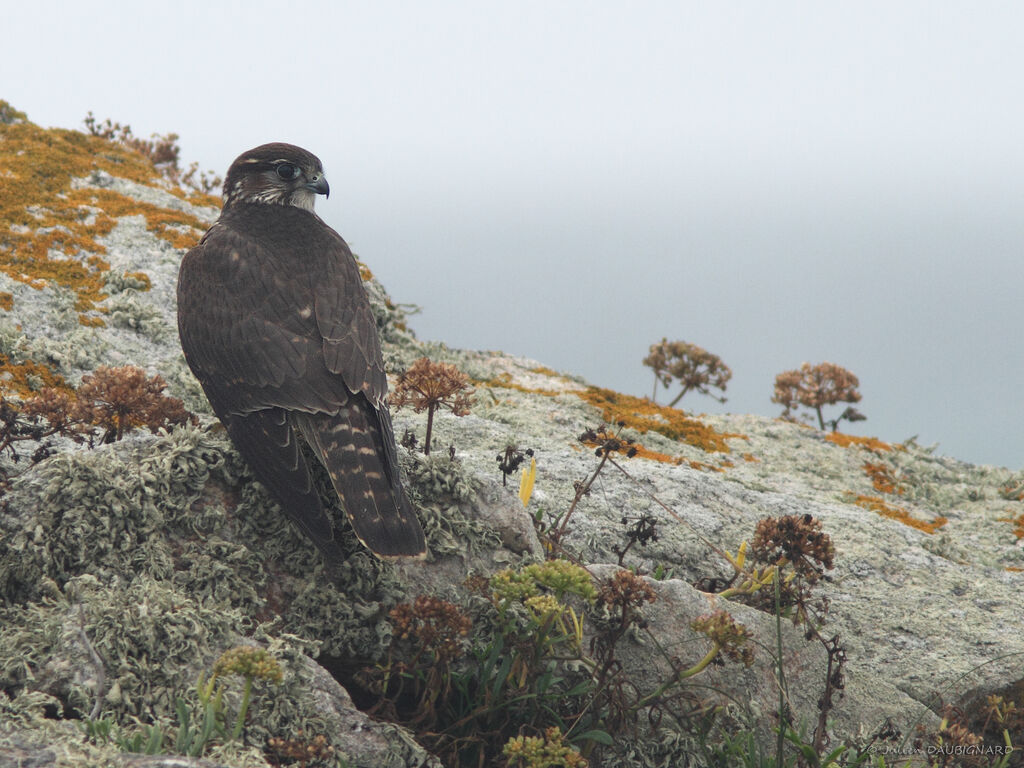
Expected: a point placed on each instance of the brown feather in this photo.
(276, 325)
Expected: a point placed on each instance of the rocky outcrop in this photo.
(126, 569)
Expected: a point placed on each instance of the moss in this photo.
(104, 512)
(158, 554)
(118, 649)
(9, 115)
(77, 348)
(505, 381)
(636, 450)
(1017, 523)
(636, 413)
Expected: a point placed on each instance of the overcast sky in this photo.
(571, 181)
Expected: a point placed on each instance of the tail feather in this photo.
(356, 447)
(269, 445)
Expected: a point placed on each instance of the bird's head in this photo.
(276, 174)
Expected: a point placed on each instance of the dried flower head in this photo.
(121, 399)
(796, 539)
(693, 367)
(434, 624)
(626, 591)
(427, 386)
(815, 387)
(300, 749)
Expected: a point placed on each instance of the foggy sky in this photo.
(572, 181)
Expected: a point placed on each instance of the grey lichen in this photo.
(126, 310)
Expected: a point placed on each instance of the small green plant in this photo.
(693, 367)
(427, 386)
(147, 741)
(815, 387)
(196, 732)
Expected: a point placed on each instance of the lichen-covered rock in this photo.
(127, 569)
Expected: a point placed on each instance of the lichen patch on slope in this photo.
(50, 226)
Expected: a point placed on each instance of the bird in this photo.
(276, 325)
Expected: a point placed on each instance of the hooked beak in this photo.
(318, 184)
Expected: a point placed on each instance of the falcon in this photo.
(276, 325)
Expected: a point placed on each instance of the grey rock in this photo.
(927, 614)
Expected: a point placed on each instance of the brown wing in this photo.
(274, 320)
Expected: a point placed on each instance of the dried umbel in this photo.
(692, 366)
(301, 750)
(797, 540)
(435, 625)
(427, 386)
(626, 591)
(121, 399)
(814, 387)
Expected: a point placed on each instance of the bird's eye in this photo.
(287, 171)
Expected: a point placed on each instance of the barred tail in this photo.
(354, 448)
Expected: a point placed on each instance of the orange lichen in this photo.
(49, 232)
(1012, 491)
(883, 480)
(868, 443)
(636, 413)
(609, 442)
(700, 465)
(6, 300)
(645, 416)
(1018, 524)
(504, 381)
(899, 514)
(543, 370)
(364, 272)
(604, 439)
(140, 277)
(25, 379)
(200, 199)
(750, 458)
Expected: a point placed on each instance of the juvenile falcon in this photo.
(276, 325)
